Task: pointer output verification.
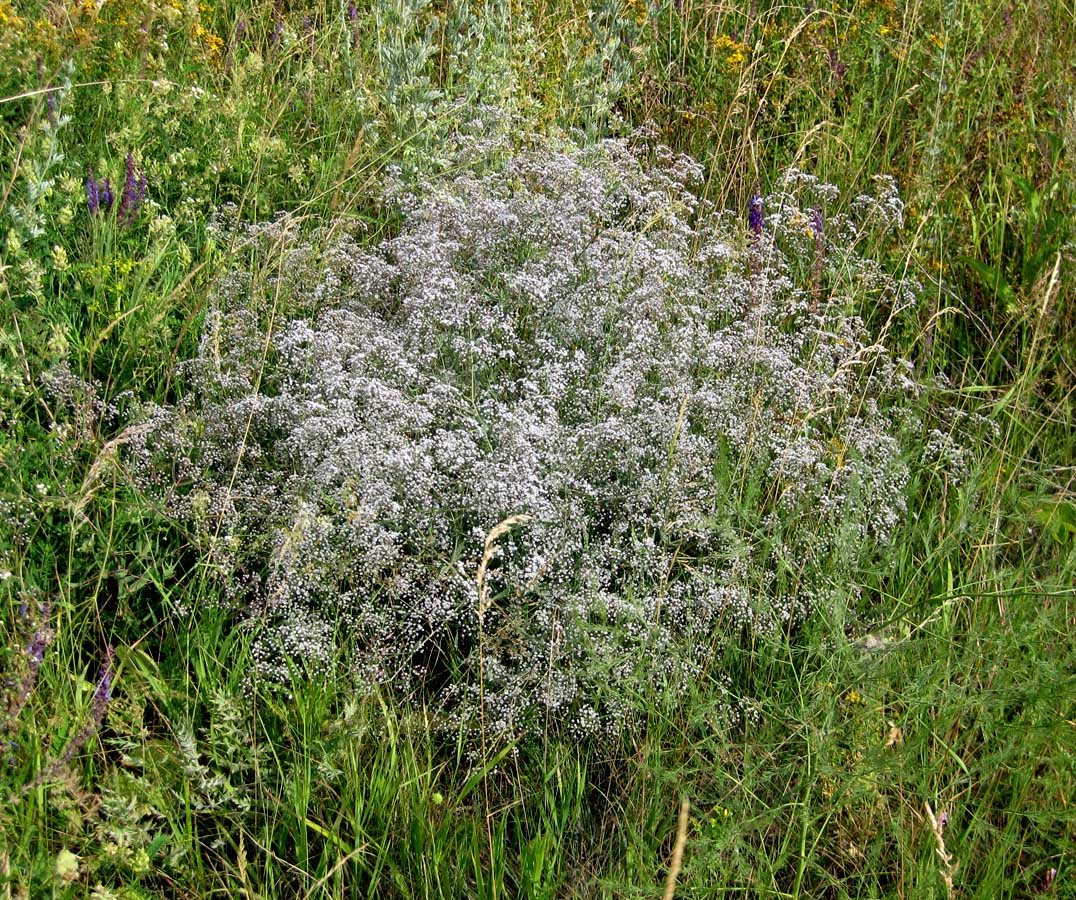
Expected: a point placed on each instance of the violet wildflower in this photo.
(837, 67)
(108, 198)
(754, 216)
(353, 17)
(102, 695)
(1048, 881)
(99, 194)
(35, 653)
(817, 222)
(134, 192)
(308, 30)
(238, 33)
(93, 195)
(278, 27)
(36, 650)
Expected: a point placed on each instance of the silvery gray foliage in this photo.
(706, 447)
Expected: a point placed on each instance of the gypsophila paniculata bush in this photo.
(706, 447)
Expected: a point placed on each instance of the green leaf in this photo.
(1056, 516)
(992, 279)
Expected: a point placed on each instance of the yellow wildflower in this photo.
(638, 9)
(211, 43)
(8, 19)
(735, 51)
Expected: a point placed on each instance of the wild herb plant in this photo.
(703, 442)
(949, 683)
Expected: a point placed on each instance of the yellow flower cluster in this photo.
(638, 9)
(15, 38)
(8, 18)
(212, 44)
(735, 51)
(78, 22)
(110, 282)
(119, 267)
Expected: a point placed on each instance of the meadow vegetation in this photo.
(444, 443)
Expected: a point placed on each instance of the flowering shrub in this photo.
(704, 446)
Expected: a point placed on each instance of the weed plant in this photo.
(692, 443)
(910, 737)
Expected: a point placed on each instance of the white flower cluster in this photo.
(705, 448)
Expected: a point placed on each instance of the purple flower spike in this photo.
(93, 194)
(36, 650)
(108, 198)
(838, 68)
(352, 10)
(817, 222)
(102, 695)
(134, 192)
(754, 217)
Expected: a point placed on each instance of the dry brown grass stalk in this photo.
(678, 850)
(488, 552)
(100, 464)
(948, 866)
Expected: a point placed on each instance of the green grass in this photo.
(950, 683)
